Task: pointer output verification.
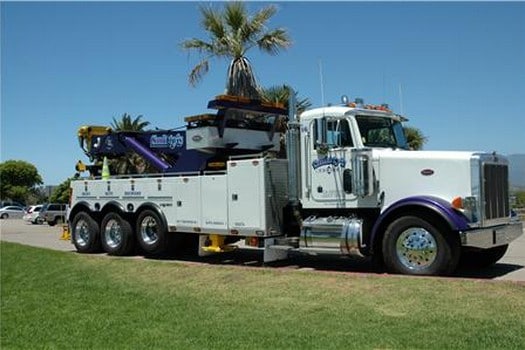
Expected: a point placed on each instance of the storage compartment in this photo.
(214, 199)
(187, 202)
(256, 196)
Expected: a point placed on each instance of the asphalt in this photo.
(510, 267)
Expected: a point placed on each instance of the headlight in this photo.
(468, 206)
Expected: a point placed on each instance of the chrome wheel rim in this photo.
(113, 233)
(416, 248)
(82, 233)
(148, 230)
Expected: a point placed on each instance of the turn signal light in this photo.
(457, 203)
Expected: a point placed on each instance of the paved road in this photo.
(510, 267)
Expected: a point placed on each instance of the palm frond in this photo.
(272, 42)
(197, 44)
(212, 22)
(258, 21)
(235, 15)
(126, 124)
(198, 72)
(281, 94)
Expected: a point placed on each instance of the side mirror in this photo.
(347, 181)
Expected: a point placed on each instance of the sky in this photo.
(455, 69)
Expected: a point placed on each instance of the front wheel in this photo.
(116, 235)
(152, 233)
(85, 233)
(4, 216)
(415, 246)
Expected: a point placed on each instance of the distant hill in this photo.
(517, 170)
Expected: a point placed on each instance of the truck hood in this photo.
(444, 174)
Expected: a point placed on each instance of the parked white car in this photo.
(33, 216)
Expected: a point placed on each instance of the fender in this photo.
(157, 209)
(74, 210)
(113, 204)
(455, 220)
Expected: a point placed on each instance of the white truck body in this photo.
(246, 200)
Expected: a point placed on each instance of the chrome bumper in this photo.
(489, 237)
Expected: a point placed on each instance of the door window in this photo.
(332, 133)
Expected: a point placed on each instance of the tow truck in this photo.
(336, 180)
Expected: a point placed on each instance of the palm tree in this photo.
(281, 94)
(415, 138)
(232, 33)
(131, 162)
(127, 124)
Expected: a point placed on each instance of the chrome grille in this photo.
(496, 191)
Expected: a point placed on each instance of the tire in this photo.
(4, 216)
(483, 257)
(39, 221)
(116, 235)
(152, 233)
(414, 246)
(85, 233)
(52, 223)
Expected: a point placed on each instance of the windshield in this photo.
(381, 132)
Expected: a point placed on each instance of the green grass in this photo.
(54, 299)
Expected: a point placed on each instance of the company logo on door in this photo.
(329, 161)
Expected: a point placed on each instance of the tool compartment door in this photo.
(246, 201)
(214, 199)
(187, 203)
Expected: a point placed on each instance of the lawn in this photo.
(63, 300)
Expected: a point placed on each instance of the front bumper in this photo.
(489, 237)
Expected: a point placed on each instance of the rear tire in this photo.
(51, 223)
(85, 233)
(414, 246)
(152, 233)
(116, 235)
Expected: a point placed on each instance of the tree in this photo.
(131, 162)
(520, 199)
(415, 138)
(127, 124)
(18, 179)
(281, 94)
(232, 33)
(61, 193)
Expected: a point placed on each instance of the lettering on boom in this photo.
(166, 141)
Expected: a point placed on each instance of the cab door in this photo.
(329, 158)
